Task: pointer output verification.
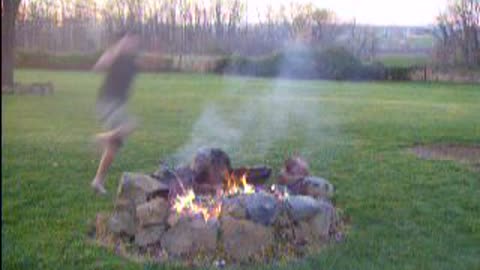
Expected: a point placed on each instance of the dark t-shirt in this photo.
(116, 87)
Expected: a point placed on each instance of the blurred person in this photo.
(119, 62)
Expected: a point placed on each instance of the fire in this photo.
(235, 186)
(189, 204)
(184, 201)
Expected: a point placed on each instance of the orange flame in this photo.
(186, 204)
(235, 186)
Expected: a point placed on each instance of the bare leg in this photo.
(118, 133)
(110, 142)
(107, 159)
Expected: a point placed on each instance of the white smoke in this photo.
(261, 120)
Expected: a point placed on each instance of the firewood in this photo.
(255, 175)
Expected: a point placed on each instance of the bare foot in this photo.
(98, 188)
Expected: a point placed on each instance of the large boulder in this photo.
(191, 236)
(243, 239)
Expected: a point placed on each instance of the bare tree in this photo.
(361, 41)
(458, 33)
(173, 26)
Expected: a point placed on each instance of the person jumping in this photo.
(119, 62)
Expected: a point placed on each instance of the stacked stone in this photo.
(250, 226)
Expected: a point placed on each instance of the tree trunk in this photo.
(8, 40)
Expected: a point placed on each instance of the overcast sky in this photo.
(377, 12)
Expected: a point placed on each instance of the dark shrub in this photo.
(297, 62)
(55, 61)
(265, 66)
(398, 73)
(373, 71)
(155, 63)
(305, 63)
(221, 65)
(41, 60)
(337, 63)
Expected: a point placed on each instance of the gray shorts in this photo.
(112, 115)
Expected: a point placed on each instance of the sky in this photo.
(376, 12)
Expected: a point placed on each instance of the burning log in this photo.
(208, 173)
(255, 175)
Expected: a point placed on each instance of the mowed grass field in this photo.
(405, 212)
(403, 60)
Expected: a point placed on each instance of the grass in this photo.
(404, 60)
(406, 213)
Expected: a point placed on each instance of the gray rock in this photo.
(210, 166)
(122, 222)
(318, 227)
(190, 237)
(153, 212)
(235, 207)
(302, 207)
(102, 231)
(243, 239)
(322, 222)
(133, 190)
(173, 218)
(262, 208)
(294, 168)
(149, 235)
(136, 187)
(164, 174)
(317, 187)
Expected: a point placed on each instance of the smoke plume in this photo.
(259, 121)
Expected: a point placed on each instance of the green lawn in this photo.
(406, 213)
(404, 60)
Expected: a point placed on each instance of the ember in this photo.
(177, 212)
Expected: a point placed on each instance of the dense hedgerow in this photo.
(335, 63)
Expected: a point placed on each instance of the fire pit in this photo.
(210, 212)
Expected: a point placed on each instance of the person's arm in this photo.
(124, 46)
(107, 58)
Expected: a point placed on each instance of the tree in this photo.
(9, 12)
(458, 34)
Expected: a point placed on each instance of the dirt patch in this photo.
(469, 154)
